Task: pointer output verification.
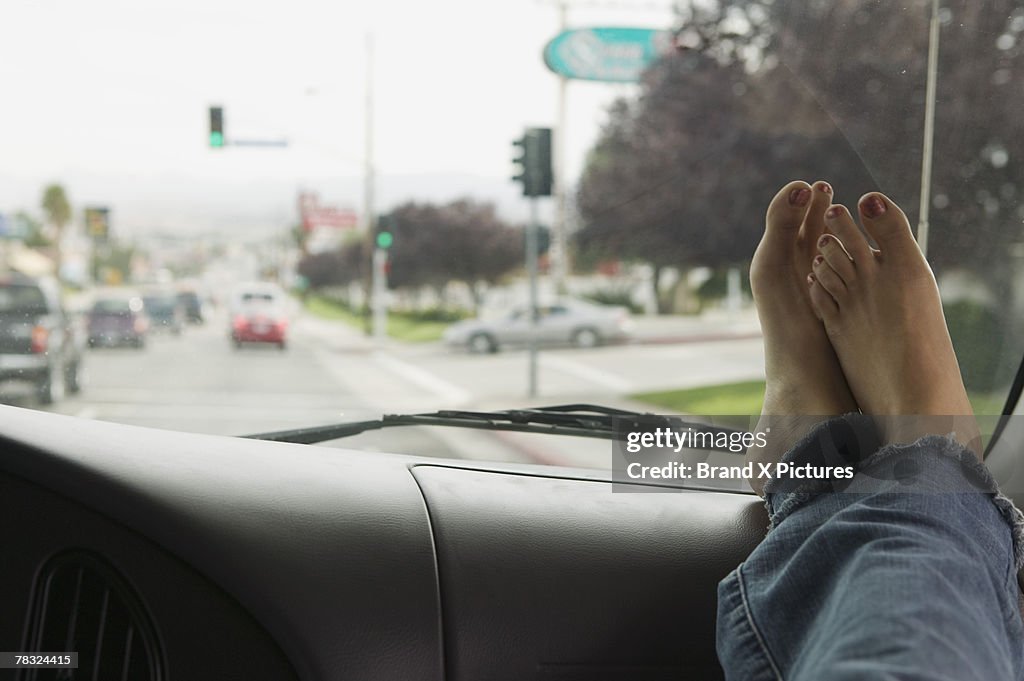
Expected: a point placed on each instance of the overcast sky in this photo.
(110, 97)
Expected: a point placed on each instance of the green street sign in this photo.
(610, 55)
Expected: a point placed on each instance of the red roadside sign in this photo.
(323, 216)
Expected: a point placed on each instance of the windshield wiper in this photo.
(580, 420)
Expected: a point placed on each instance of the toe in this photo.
(829, 280)
(824, 305)
(814, 222)
(837, 257)
(886, 223)
(840, 222)
(787, 210)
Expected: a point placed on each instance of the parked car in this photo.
(38, 339)
(117, 320)
(584, 325)
(164, 311)
(259, 316)
(192, 306)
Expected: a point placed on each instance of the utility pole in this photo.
(377, 288)
(559, 247)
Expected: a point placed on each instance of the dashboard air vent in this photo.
(81, 604)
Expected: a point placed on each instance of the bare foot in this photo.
(804, 380)
(884, 318)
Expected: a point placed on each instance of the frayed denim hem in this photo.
(782, 503)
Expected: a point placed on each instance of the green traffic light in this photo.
(216, 139)
(385, 239)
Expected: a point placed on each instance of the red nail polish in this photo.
(799, 196)
(818, 260)
(823, 241)
(824, 187)
(873, 206)
(810, 279)
(834, 212)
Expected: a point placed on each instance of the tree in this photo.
(33, 231)
(681, 176)
(831, 90)
(57, 210)
(875, 90)
(463, 240)
(864, 63)
(335, 268)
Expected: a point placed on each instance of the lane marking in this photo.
(442, 389)
(587, 373)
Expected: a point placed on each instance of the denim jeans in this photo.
(909, 571)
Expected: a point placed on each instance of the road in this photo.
(330, 373)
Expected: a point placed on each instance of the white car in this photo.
(577, 323)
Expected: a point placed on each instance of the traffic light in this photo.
(216, 127)
(385, 233)
(534, 162)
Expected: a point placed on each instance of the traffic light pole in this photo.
(380, 287)
(531, 270)
(535, 175)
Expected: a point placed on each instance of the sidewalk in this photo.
(710, 326)
(337, 335)
(647, 330)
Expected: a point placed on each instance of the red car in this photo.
(259, 321)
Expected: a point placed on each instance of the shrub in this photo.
(976, 331)
(619, 297)
(716, 286)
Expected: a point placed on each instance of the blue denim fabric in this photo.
(908, 572)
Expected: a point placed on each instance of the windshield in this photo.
(350, 167)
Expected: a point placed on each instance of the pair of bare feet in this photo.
(848, 327)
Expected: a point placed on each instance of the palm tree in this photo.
(58, 212)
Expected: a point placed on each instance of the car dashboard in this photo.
(230, 558)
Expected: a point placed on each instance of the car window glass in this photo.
(357, 182)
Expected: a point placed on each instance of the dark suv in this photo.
(38, 343)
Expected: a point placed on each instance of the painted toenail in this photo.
(873, 206)
(834, 212)
(818, 260)
(810, 279)
(824, 187)
(824, 241)
(799, 196)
